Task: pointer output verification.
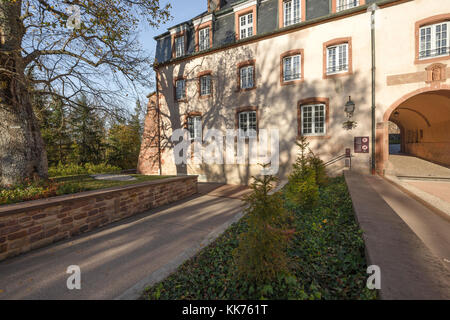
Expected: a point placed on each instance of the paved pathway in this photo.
(410, 166)
(114, 259)
(425, 181)
(440, 189)
(432, 229)
(412, 265)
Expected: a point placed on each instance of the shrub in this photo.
(28, 191)
(326, 259)
(319, 168)
(261, 254)
(71, 169)
(303, 187)
(304, 192)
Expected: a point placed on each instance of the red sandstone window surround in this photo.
(246, 75)
(343, 58)
(204, 27)
(292, 67)
(247, 118)
(183, 94)
(428, 33)
(245, 13)
(174, 49)
(313, 117)
(193, 123)
(205, 92)
(282, 12)
(341, 5)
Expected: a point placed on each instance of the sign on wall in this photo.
(361, 144)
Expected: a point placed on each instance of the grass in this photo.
(63, 185)
(326, 254)
(87, 183)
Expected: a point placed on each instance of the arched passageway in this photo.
(423, 120)
(395, 139)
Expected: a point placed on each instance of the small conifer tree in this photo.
(261, 254)
(302, 188)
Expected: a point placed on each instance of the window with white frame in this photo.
(434, 40)
(179, 46)
(313, 119)
(246, 25)
(337, 58)
(194, 126)
(205, 85)
(203, 36)
(346, 4)
(180, 89)
(248, 124)
(246, 74)
(292, 68)
(292, 12)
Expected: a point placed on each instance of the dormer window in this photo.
(245, 19)
(179, 46)
(246, 25)
(204, 40)
(346, 4)
(292, 12)
(203, 33)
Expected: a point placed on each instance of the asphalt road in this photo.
(115, 258)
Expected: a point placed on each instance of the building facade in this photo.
(292, 65)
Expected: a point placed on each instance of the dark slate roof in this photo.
(228, 3)
(204, 13)
(185, 22)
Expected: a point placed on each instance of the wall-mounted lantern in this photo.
(349, 107)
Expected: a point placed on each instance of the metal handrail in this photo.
(340, 157)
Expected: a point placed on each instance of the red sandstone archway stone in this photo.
(382, 135)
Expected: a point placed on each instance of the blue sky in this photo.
(182, 10)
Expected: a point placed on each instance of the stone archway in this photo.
(424, 117)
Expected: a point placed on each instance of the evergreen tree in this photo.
(55, 132)
(88, 134)
(124, 141)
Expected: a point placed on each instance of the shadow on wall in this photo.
(277, 107)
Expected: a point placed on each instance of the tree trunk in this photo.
(22, 151)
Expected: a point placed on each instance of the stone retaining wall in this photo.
(34, 224)
(437, 152)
